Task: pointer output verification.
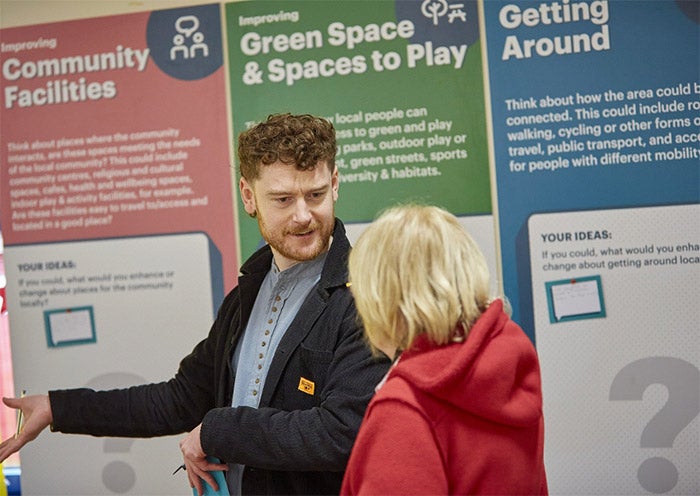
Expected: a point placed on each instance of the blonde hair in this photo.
(415, 270)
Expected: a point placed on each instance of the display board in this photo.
(596, 124)
(117, 215)
(401, 81)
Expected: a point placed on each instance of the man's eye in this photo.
(282, 200)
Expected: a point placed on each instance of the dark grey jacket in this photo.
(295, 442)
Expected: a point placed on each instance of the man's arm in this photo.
(141, 411)
(157, 409)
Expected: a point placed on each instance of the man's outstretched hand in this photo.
(36, 410)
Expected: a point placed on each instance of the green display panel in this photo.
(401, 81)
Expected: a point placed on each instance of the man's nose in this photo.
(302, 211)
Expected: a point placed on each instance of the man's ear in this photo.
(248, 197)
(335, 184)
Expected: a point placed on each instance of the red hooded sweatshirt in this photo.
(463, 418)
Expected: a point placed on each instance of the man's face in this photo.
(295, 209)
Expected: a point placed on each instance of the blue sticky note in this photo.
(220, 479)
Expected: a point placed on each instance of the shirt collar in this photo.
(301, 270)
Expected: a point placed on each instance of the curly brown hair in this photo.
(299, 140)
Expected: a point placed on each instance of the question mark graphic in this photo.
(682, 379)
(117, 476)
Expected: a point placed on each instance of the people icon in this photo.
(187, 29)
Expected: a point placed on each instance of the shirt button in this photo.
(270, 321)
(267, 332)
(274, 309)
(259, 366)
(277, 298)
(260, 355)
(263, 343)
(255, 392)
(257, 381)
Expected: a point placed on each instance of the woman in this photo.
(460, 412)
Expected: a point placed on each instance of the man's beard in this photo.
(286, 246)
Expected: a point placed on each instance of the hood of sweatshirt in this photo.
(494, 373)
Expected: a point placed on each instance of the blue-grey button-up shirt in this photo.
(279, 299)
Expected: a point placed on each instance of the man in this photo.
(279, 387)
